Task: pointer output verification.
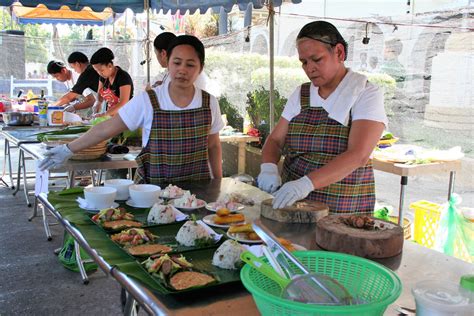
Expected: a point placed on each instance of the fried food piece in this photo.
(286, 243)
(187, 279)
(232, 218)
(223, 212)
(121, 224)
(241, 228)
(253, 236)
(148, 249)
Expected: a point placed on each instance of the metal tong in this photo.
(272, 242)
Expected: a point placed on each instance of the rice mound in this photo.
(191, 231)
(161, 214)
(227, 256)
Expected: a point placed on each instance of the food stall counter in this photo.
(416, 263)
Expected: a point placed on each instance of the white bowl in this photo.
(100, 197)
(144, 195)
(121, 185)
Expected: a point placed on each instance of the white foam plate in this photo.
(96, 210)
(172, 202)
(132, 203)
(240, 238)
(209, 220)
(212, 207)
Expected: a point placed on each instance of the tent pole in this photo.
(147, 42)
(271, 13)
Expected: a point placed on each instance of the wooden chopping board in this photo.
(304, 211)
(334, 235)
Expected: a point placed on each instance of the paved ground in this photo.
(32, 281)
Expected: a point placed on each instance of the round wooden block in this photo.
(334, 235)
(304, 211)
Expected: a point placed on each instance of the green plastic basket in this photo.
(373, 283)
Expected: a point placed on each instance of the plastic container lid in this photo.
(437, 298)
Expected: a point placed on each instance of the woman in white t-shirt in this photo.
(180, 122)
(327, 131)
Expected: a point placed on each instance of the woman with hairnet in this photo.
(327, 131)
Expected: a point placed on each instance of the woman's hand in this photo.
(292, 191)
(269, 179)
(70, 108)
(55, 157)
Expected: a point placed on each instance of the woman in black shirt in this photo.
(115, 84)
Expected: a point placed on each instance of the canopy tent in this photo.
(173, 6)
(119, 6)
(41, 14)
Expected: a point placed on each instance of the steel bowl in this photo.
(18, 118)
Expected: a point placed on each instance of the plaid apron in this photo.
(313, 140)
(177, 147)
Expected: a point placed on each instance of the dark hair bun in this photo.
(102, 56)
(163, 40)
(77, 57)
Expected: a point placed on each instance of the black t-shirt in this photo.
(88, 79)
(122, 78)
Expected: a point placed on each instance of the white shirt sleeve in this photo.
(370, 105)
(217, 123)
(293, 106)
(134, 111)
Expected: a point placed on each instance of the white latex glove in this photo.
(70, 108)
(269, 179)
(55, 157)
(292, 191)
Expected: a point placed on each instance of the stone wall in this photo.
(12, 49)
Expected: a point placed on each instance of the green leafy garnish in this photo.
(204, 242)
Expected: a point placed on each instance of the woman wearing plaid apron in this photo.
(327, 131)
(180, 122)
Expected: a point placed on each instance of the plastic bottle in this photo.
(247, 123)
(43, 110)
(30, 95)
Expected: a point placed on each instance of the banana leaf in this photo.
(97, 238)
(65, 203)
(70, 130)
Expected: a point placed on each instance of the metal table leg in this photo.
(8, 159)
(46, 224)
(130, 308)
(18, 175)
(25, 179)
(401, 211)
(80, 263)
(22, 170)
(452, 178)
(34, 211)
